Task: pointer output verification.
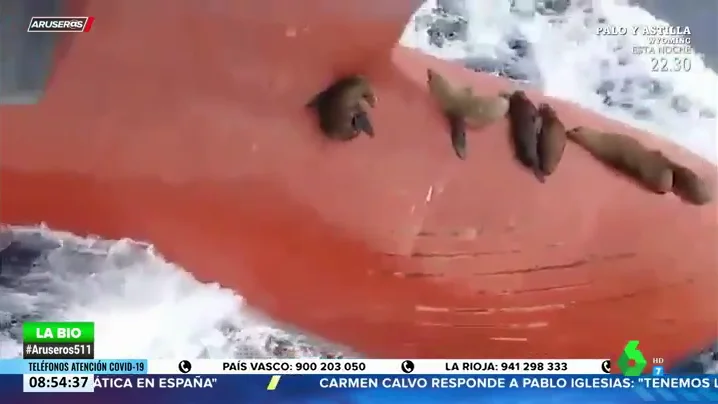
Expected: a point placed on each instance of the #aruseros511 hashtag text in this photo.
(58, 351)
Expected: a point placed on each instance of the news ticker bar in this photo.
(307, 367)
(258, 384)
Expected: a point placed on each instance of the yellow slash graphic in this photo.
(273, 382)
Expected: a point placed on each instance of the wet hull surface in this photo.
(183, 123)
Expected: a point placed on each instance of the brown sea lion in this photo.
(551, 139)
(341, 108)
(463, 109)
(525, 127)
(650, 168)
(689, 186)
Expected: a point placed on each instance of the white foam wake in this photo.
(145, 307)
(142, 305)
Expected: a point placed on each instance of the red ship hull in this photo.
(183, 123)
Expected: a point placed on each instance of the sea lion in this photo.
(551, 139)
(689, 186)
(341, 108)
(525, 127)
(650, 168)
(463, 109)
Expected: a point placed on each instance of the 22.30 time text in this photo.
(675, 64)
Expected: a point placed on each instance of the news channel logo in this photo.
(632, 362)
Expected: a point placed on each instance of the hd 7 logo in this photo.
(60, 24)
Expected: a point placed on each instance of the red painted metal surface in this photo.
(182, 122)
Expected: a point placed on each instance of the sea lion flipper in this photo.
(689, 186)
(457, 126)
(336, 107)
(362, 123)
(452, 103)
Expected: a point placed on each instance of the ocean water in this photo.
(120, 285)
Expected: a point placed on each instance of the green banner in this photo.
(58, 332)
